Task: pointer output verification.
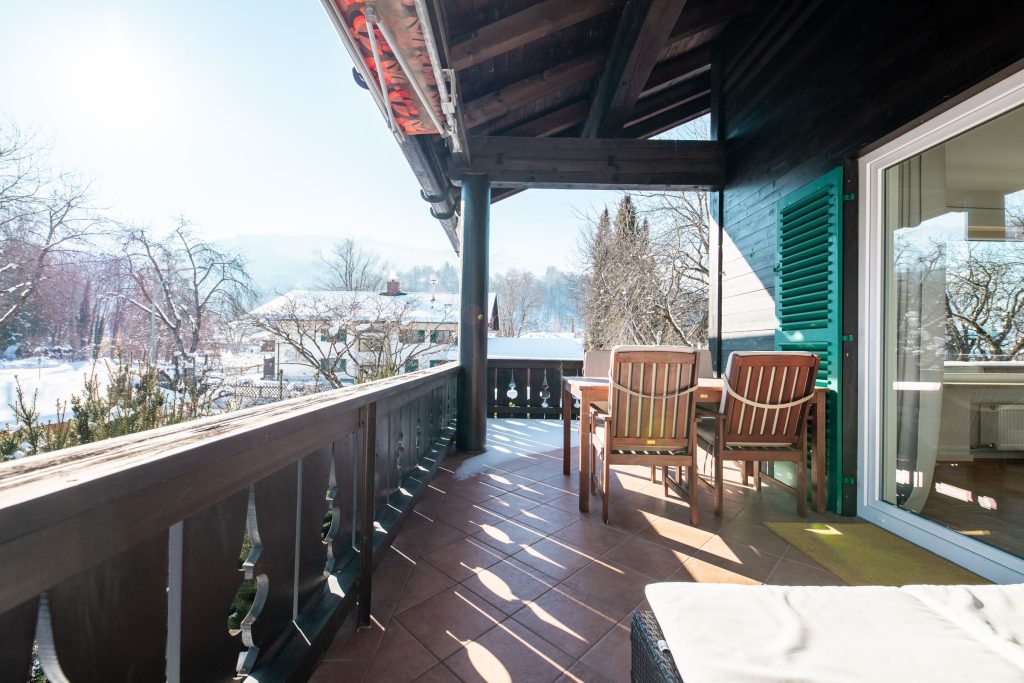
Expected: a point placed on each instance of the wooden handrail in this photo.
(87, 527)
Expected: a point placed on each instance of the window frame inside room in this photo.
(979, 557)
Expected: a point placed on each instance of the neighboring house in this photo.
(358, 335)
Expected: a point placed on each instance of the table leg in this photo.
(818, 453)
(584, 457)
(566, 429)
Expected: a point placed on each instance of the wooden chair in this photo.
(763, 415)
(649, 417)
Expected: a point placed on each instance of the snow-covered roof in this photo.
(535, 348)
(425, 307)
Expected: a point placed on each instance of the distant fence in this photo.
(529, 389)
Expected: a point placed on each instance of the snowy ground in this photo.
(563, 347)
(53, 379)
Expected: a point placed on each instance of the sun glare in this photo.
(113, 78)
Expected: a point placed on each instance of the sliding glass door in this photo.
(944, 279)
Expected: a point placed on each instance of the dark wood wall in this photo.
(852, 74)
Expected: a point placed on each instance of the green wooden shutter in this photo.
(808, 297)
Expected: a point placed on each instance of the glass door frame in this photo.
(978, 557)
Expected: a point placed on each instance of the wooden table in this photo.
(588, 389)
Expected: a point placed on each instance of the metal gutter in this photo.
(418, 149)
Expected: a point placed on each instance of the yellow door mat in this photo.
(866, 555)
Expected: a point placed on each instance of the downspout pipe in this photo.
(437, 192)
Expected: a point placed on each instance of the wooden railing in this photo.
(121, 560)
(528, 388)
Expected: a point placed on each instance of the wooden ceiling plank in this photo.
(505, 193)
(521, 28)
(708, 14)
(768, 48)
(643, 31)
(553, 123)
(594, 163)
(669, 119)
(671, 98)
(493, 105)
(678, 69)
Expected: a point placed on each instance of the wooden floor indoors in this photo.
(497, 576)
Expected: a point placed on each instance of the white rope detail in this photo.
(655, 397)
(767, 406)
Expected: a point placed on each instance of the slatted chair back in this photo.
(767, 397)
(651, 396)
(595, 362)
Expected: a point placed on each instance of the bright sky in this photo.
(243, 117)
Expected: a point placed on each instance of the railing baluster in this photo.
(368, 420)
(275, 519)
(118, 608)
(210, 575)
(18, 627)
(314, 508)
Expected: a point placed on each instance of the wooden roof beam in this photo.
(669, 99)
(523, 27)
(594, 163)
(643, 30)
(679, 69)
(491, 106)
(669, 119)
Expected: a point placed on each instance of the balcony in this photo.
(253, 543)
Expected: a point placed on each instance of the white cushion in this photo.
(719, 632)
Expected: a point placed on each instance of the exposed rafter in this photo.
(494, 104)
(679, 69)
(669, 99)
(669, 119)
(594, 163)
(521, 28)
(642, 33)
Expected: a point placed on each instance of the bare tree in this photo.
(520, 300)
(985, 301)
(186, 283)
(353, 269)
(43, 219)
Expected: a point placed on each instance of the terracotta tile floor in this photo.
(502, 578)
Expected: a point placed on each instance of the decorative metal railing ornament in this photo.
(545, 393)
(512, 393)
(529, 388)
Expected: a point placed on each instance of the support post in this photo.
(368, 421)
(471, 429)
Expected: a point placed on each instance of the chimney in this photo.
(394, 287)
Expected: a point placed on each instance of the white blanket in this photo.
(774, 633)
